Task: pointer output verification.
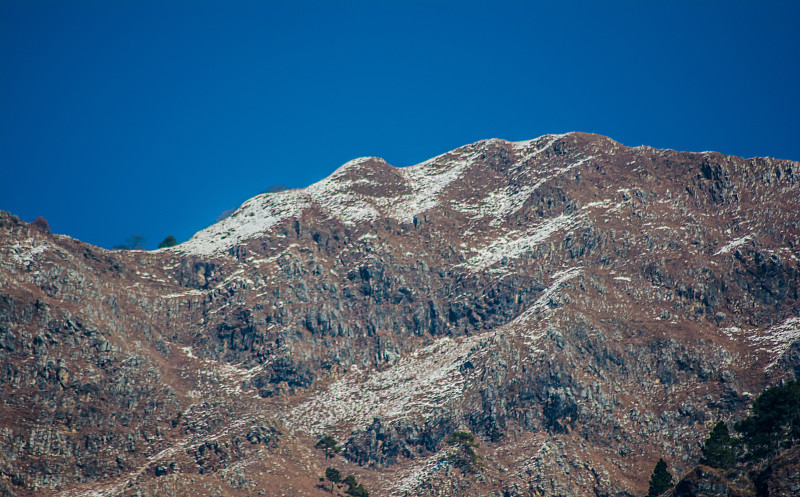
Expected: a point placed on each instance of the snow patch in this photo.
(418, 383)
(188, 293)
(500, 204)
(25, 252)
(514, 244)
(526, 144)
(228, 377)
(557, 281)
(777, 339)
(735, 243)
(602, 203)
(732, 332)
(335, 197)
(410, 479)
(257, 215)
(526, 325)
(427, 180)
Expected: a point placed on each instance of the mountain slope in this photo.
(584, 308)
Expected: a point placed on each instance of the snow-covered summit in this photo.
(361, 190)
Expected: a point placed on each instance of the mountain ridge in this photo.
(410, 178)
(582, 307)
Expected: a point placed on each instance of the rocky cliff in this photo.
(582, 307)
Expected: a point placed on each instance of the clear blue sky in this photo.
(151, 117)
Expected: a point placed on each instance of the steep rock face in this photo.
(582, 307)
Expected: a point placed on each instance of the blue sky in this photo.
(152, 117)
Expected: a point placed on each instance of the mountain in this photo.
(581, 307)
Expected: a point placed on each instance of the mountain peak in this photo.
(361, 166)
(367, 188)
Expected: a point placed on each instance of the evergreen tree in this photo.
(333, 475)
(718, 451)
(354, 488)
(357, 491)
(774, 422)
(134, 242)
(465, 456)
(169, 241)
(328, 445)
(661, 480)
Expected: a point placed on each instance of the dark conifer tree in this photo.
(661, 480)
(718, 451)
(333, 475)
(774, 422)
(465, 456)
(169, 241)
(354, 488)
(328, 445)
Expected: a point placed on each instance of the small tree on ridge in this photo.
(169, 241)
(328, 445)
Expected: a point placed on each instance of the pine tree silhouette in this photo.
(661, 481)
